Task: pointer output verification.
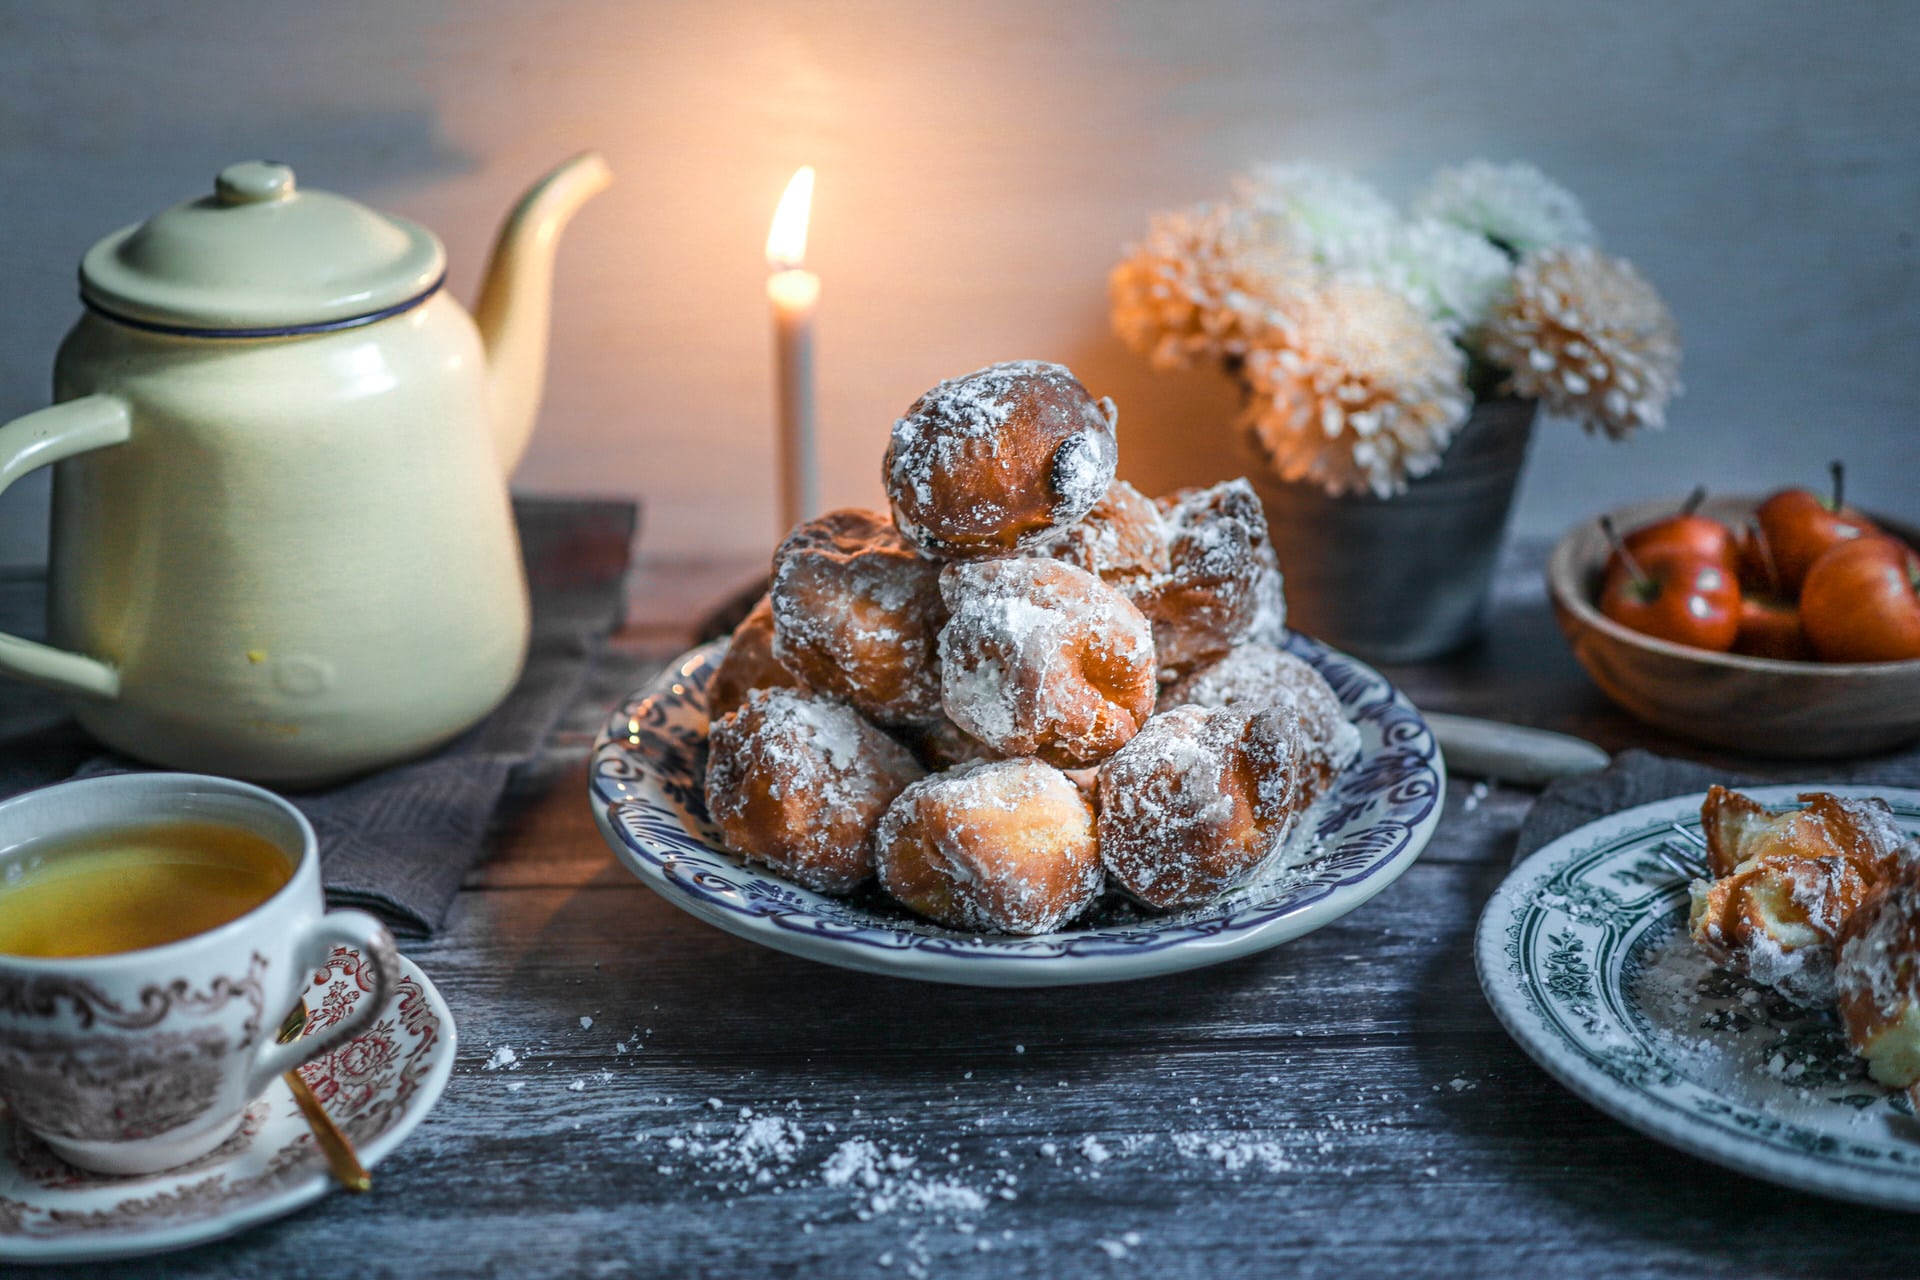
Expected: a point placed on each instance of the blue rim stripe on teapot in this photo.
(276, 331)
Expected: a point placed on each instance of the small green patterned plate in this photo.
(1583, 953)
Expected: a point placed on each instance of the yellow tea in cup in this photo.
(124, 888)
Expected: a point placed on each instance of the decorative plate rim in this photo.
(1733, 1133)
(643, 786)
(171, 1234)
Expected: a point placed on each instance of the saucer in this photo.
(647, 788)
(1584, 954)
(377, 1087)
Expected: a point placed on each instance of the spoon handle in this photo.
(346, 1166)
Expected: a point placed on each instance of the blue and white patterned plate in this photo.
(1583, 953)
(646, 789)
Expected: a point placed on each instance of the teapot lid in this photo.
(259, 258)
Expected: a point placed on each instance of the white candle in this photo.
(794, 293)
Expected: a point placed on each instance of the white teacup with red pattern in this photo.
(140, 1060)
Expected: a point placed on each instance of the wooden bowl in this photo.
(1756, 706)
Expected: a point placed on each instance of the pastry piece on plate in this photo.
(1784, 884)
(1256, 675)
(1877, 974)
(1006, 846)
(1222, 584)
(1202, 799)
(798, 782)
(857, 616)
(749, 664)
(1122, 541)
(1000, 461)
(1039, 658)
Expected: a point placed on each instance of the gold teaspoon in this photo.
(346, 1166)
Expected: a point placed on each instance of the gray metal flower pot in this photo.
(1404, 578)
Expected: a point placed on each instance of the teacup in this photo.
(141, 1060)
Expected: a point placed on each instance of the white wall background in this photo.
(979, 166)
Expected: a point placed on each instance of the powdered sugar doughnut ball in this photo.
(1201, 800)
(857, 614)
(1222, 584)
(1256, 675)
(749, 664)
(1039, 658)
(1007, 846)
(1000, 460)
(1121, 541)
(799, 782)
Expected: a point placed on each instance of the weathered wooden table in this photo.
(1342, 1105)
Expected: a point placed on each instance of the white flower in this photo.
(1362, 395)
(1204, 284)
(1514, 205)
(1322, 209)
(1587, 335)
(1452, 275)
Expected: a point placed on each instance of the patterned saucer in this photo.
(1583, 953)
(646, 790)
(377, 1087)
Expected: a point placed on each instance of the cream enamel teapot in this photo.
(282, 544)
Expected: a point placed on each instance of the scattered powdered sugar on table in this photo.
(868, 1171)
(1475, 796)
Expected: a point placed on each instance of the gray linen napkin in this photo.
(399, 842)
(1640, 777)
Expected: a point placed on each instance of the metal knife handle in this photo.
(1511, 753)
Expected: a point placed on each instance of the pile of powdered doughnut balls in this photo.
(1027, 684)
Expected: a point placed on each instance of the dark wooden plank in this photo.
(1344, 1105)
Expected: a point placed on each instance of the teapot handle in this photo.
(39, 439)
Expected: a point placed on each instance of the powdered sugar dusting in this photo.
(1082, 469)
(798, 781)
(1121, 541)
(1040, 657)
(999, 459)
(856, 612)
(1202, 800)
(1879, 960)
(1002, 846)
(1223, 581)
(1255, 675)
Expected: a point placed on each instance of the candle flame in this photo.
(787, 238)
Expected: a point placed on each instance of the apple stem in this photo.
(1838, 471)
(1694, 499)
(1758, 536)
(1641, 582)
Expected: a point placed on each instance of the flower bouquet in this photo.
(1372, 347)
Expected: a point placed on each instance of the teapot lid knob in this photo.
(254, 182)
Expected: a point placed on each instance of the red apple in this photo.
(1770, 628)
(1684, 600)
(1798, 528)
(1685, 534)
(1861, 602)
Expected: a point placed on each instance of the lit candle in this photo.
(794, 293)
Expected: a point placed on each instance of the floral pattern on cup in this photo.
(162, 1079)
(372, 1086)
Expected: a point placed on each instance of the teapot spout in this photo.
(516, 298)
